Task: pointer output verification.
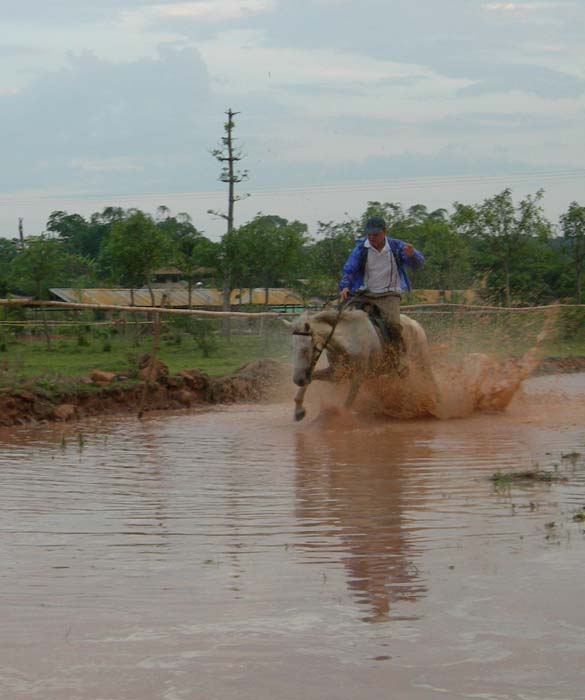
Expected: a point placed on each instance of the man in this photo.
(375, 274)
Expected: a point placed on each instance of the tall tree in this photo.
(38, 266)
(447, 254)
(325, 256)
(270, 250)
(135, 249)
(229, 155)
(392, 213)
(42, 263)
(191, 250)
(573, 228)
(8, 251)
(72, 229)
(502, 234)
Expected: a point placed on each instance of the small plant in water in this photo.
(571, 457)
(529, 475)
(80, 441)
(63, 442)
(502, 482)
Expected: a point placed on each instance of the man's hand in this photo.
(409, 249)
(344, 294)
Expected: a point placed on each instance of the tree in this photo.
(228, 155)
(191, 250)
(42, 263)
(38, 266)
(269, 249)
(502, 233)
(8, 251)
(72, 229)
(324, 258)
(101, 225)
(573, 228)
(135, 249)
(446, 251)
(391, 212)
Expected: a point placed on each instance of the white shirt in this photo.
(381, 270)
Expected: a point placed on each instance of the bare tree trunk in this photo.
(151, 365)
(226, 325)
(46, 328)
(150, 291)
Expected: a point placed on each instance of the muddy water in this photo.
(235, 554)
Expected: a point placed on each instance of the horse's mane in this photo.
(332, 316)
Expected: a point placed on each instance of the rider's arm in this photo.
(351, 269)
(415, 260)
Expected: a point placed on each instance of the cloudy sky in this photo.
(341, 101)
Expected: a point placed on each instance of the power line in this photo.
(411, 184)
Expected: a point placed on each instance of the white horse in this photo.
(349, 340)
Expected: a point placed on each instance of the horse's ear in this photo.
(288, 324)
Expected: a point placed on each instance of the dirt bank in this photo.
(564, 365)
(103, 392)
(109, 393)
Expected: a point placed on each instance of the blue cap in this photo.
(375, 224)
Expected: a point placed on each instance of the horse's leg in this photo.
(353, 391)
(300, 411)
(355, 385)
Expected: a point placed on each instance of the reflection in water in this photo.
(351, 485)
(233, 553)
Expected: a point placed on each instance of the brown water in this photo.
(235, 554)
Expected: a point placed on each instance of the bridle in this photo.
(318, 351)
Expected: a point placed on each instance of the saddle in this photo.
(391, 336)
(388, 335)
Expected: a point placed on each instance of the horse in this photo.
(350, 340)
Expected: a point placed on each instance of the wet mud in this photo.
(104, 393)
(229, 552)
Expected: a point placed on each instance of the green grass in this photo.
(24, 362)
(504, 335)
(503, 481)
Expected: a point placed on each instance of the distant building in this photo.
(170, 276)
(177, 297)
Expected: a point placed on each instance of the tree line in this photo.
(510, 252)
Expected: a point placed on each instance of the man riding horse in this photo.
(374, 278)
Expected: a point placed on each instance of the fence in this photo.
(40, 338)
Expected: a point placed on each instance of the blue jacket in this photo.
(355, 268)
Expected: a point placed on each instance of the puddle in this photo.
(234, 553)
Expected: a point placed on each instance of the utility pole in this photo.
(21, 232)
(228, 155)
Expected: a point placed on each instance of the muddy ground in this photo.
(103, 393)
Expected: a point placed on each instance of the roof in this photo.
(436, 296)
(177, 297)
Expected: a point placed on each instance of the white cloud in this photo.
(209, 11)
(261, 68)
(524, 10)
(512, 7)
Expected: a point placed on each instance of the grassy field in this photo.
(22, 362)
(79, 348)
